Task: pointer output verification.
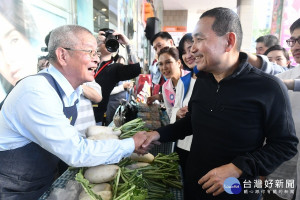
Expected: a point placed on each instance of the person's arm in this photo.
(178, 101)
(132, 57)
(127, 72)
(92, 91)
(262, 62)
(43, 122)
(117, 89)
(170, 133)
(121, 88)
(292, 84)
(155, 97)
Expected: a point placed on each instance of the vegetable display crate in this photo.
(68, 175)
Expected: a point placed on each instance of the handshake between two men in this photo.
(144, 141)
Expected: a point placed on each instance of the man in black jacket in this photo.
(233, 109)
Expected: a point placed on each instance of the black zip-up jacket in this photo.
(230, 121)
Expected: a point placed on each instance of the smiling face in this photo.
(208, 48)
(296, 48)
(278, 58)
(168, 66)
(79, 67)
(160, 43)
(187, 56)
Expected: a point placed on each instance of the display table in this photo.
(68, 175)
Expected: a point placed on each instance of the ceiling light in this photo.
(103, 9)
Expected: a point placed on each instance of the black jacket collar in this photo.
(242, 67)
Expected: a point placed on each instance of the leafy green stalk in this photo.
(86, 185)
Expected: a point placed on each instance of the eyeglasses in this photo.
(92, 53)
(291, 42)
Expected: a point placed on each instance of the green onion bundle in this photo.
(132, 127)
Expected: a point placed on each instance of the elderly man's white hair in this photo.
(64, 36)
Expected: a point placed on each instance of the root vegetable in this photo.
(102, 187)
(105, 195)
(137, 165)
(103, 136)
(148, 158)
(101, 173)
(96, 130)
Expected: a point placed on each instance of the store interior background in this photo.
(175, 16)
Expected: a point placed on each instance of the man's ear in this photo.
(231, 41)
(171, 42)
(61, 54)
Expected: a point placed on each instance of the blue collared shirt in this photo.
(33, 112)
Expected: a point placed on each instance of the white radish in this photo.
(137, 165)
(103, 137)
(101, 173)
(148, 158)
(105, 195)
(102, 189)
(96, 130)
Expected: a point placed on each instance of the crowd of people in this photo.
(229, 115)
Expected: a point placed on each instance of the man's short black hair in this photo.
(295, 25)
(105, 29)
(47, 38)
(226, 21)
(43, 57)
(163, 35)
(268, 40)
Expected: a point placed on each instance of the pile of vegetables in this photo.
(130, 128)
(137, 177)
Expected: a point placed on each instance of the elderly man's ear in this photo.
(61, 54)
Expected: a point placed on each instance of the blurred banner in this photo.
(24, 25)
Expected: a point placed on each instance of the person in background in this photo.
(43, 63)
(291, 167)
(278, 55)
(15, 40)
(184, 91)
(120, 92)
(290, 170)
(37, 118)
(91, 94)
(294, 43)
(161, 40)
(170, 67)
(158, 41)
(109, 73)
(230, 120)
(265, 42)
